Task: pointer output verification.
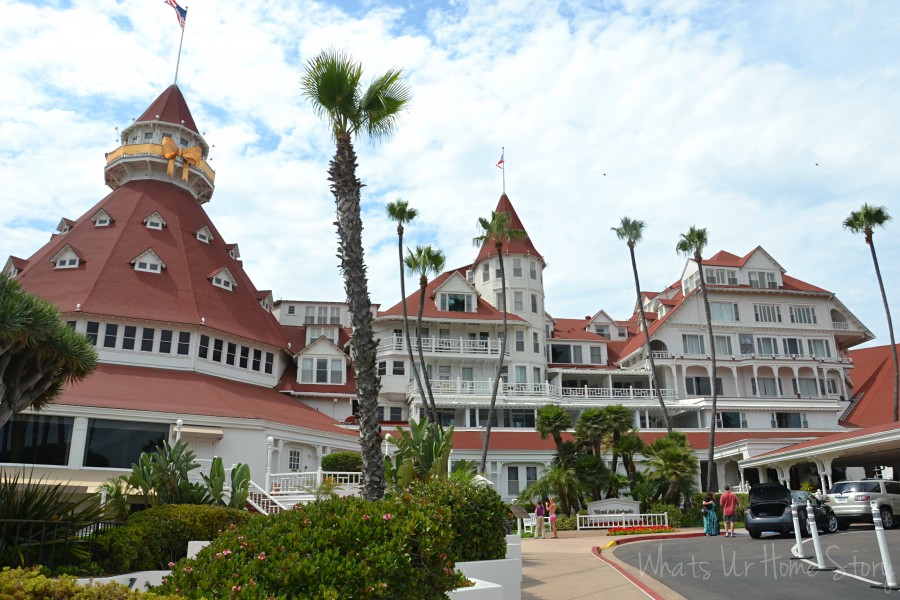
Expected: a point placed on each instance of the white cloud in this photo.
(677, 113)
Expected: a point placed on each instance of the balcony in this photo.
(442, 346)
(539, 392)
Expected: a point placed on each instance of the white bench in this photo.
(530, 523)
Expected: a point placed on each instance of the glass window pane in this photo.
(36, 439)
(117, 444)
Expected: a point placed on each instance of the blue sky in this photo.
(765, 122)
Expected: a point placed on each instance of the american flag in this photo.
(500, 162)
(181, 13)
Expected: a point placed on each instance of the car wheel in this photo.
(831, 524)
(887, 518)
(755, 534)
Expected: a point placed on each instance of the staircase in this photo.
(259, 500)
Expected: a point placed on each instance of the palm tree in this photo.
(632, 230)
(497, 231)
(39, 353)
(630, 445)
(553, 420)
(424, 261)
(691, 245)
(864, 221)
(401, 213)
(619, 421)
(672, 464)
(591, 429)
(331, 84)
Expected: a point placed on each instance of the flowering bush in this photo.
(152, 538)
(477, 517)
(640, 529)
(334, 549)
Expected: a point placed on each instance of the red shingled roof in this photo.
(483, 310)
(523, 246)
(107, 284)
(190, 393)
(827, 438)
(574, 329)
(171, 108)
(873, 377)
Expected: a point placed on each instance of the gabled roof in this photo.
(873, 387)
(106, 284)
(66, 249)
(101, 214)
(189, 393)
(483, 310)
(64, 225)
(15, 262)
(149, 253)
(523, 246)
(170, 107)
(574, 329)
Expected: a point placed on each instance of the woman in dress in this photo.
(710, 516)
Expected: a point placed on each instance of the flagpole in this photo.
(178, 62)
(503, 154)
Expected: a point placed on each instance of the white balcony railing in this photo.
(458, 387)
(432, 345)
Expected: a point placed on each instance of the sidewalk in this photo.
(567, 569)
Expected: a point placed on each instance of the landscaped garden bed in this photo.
(639, 530)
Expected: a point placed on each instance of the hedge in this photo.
(334, 549)
(22, 584)
(342, 462)
(151, 539)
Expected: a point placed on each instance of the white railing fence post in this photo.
(269, 442)
(319, 477)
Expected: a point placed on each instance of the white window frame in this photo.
(697, 340)
(762, 280)
(724, 312)
(803, 314)
(767, 313)
(334, 370)
(520, 340)
(723, 345)
(518, 301)
(68, 263)
(742, 417)
(294, 460)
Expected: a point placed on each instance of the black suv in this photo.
(770, 510)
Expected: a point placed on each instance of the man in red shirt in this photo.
(729, 504)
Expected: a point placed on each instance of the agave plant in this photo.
(40, 519)
(423, 452)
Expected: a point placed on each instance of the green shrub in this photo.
(566, 522)
(676, 515)
(334, 549)
(477, 513)
(743, 502)
(153, 538)
(22, 584)
(342, 462)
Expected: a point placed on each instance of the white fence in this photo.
(346, 482)
(623, 520)
(539, 391)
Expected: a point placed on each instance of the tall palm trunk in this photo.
(346, 187)
(712, 354)
(487, 429)
(887, 312)
(412, 358)
(429, 401)
(653, 381)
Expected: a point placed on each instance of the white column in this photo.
(269, 443)
(178, 425)
(720, 474)
(78, 443)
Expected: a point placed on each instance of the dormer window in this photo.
(64, 225)
(224, 279)
(66, 258)
(149, 262)
(763, 279)
(154, 221)
(457, 302)
(234, 252)
(13, 267)
(101, 219)
(204, 235)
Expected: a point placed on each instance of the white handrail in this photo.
(623, 520)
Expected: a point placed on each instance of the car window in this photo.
(844, 487)
(802, 498)
(892, 487)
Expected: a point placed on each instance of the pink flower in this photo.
(262, 556)
(235, 588)
(226, 552)
(387, 517)
(171, 564)
(365, 517)
(188, 570)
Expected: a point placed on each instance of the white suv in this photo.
(850, 501)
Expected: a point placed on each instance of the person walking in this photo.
(551, 508)
(710, 516)
(729, 502)
(539, 519)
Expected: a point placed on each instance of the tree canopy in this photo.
(39, 353)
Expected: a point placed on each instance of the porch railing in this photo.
(458, 387)
(431, 345)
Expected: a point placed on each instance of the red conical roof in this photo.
(522, 246)
(106, 282)
(170, 108)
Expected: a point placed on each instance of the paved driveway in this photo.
(718, 567)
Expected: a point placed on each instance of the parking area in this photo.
(701, 568)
